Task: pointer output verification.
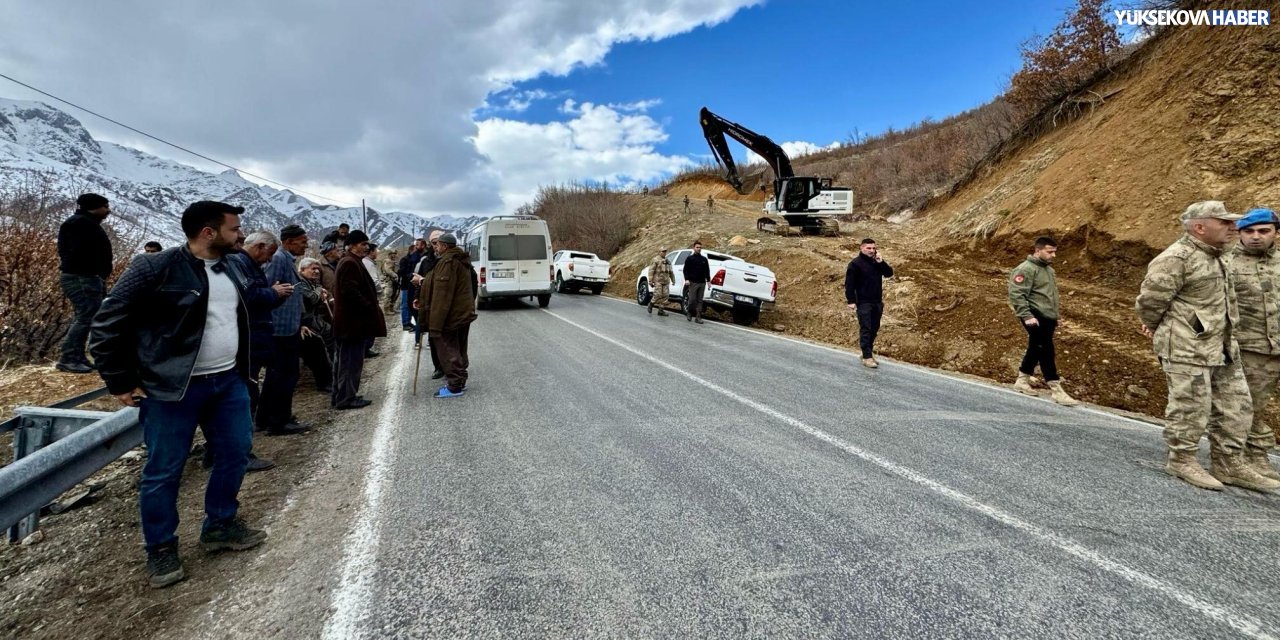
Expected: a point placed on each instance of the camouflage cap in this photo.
(1209, 209)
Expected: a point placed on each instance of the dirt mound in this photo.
(1194, 115)
(699, 186)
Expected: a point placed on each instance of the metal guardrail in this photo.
(56, 448)
(74, 401)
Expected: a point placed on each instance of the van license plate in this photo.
(504, 274)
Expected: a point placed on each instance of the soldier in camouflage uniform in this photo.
(1256, 270)
(659, 282)
(1187, 304)
(1033, 296)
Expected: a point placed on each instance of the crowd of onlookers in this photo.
(212, 334)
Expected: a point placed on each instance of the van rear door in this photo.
(518, 257)
(533, 251)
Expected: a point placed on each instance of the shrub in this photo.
(34, 315)
(583, 217)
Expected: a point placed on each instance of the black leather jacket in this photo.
(148, 331)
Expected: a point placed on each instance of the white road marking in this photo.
(1240, 622)
(350, 601)
(990, 386)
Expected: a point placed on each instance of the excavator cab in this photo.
(792, 195)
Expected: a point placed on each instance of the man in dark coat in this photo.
(421, 272)
(356, 318)
(864, 293)
(697, 273)
(85, 253)
(446, 306)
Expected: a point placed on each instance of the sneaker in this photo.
(444, 392)
(73, 367)
(437, 374)
(234, 536)
(870, 363)
(258, 464)
(164, 567)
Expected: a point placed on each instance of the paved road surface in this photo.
(615, 474)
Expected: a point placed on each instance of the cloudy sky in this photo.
(452, 106)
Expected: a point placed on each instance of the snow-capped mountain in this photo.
(42, 145)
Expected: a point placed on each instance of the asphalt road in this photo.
(615, 474)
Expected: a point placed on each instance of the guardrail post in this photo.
(38, 427)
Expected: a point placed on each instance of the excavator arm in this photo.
(716, 128)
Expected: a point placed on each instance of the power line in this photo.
(177, 146)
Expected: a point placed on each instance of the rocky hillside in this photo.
(44, 148)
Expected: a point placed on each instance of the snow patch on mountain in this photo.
(40, 144)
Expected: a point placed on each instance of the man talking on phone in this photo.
(864, 293)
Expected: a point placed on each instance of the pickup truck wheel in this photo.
(642, 293)
(745, 316)
(544, 300)
(595, 290)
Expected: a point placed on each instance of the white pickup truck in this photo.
(577, 270)
(737, 286)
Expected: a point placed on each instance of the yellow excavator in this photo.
(806, 205)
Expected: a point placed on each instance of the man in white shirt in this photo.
(172, 338)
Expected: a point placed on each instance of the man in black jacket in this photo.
(85, 253)
(864, 293)
(172, 338)
(697, 272)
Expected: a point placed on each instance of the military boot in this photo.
(1234, 469)
(1260, 462)
(1184, 466)
(1023, 384)
(1060, 395)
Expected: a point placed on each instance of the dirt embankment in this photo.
(1193, 116)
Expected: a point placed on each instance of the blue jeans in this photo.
(406, 307)
(85, 294)
(220, 402)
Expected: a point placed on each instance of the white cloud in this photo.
(369, 98)
(794, 150)
(600, 143)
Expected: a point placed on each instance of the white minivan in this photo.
(512, 256)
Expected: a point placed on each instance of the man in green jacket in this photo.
(447, 307)
(1187, 305)
(1256, 271)
(1033, 296)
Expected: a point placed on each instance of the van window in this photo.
(473, 248)
(530, 247)
(521, 247)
